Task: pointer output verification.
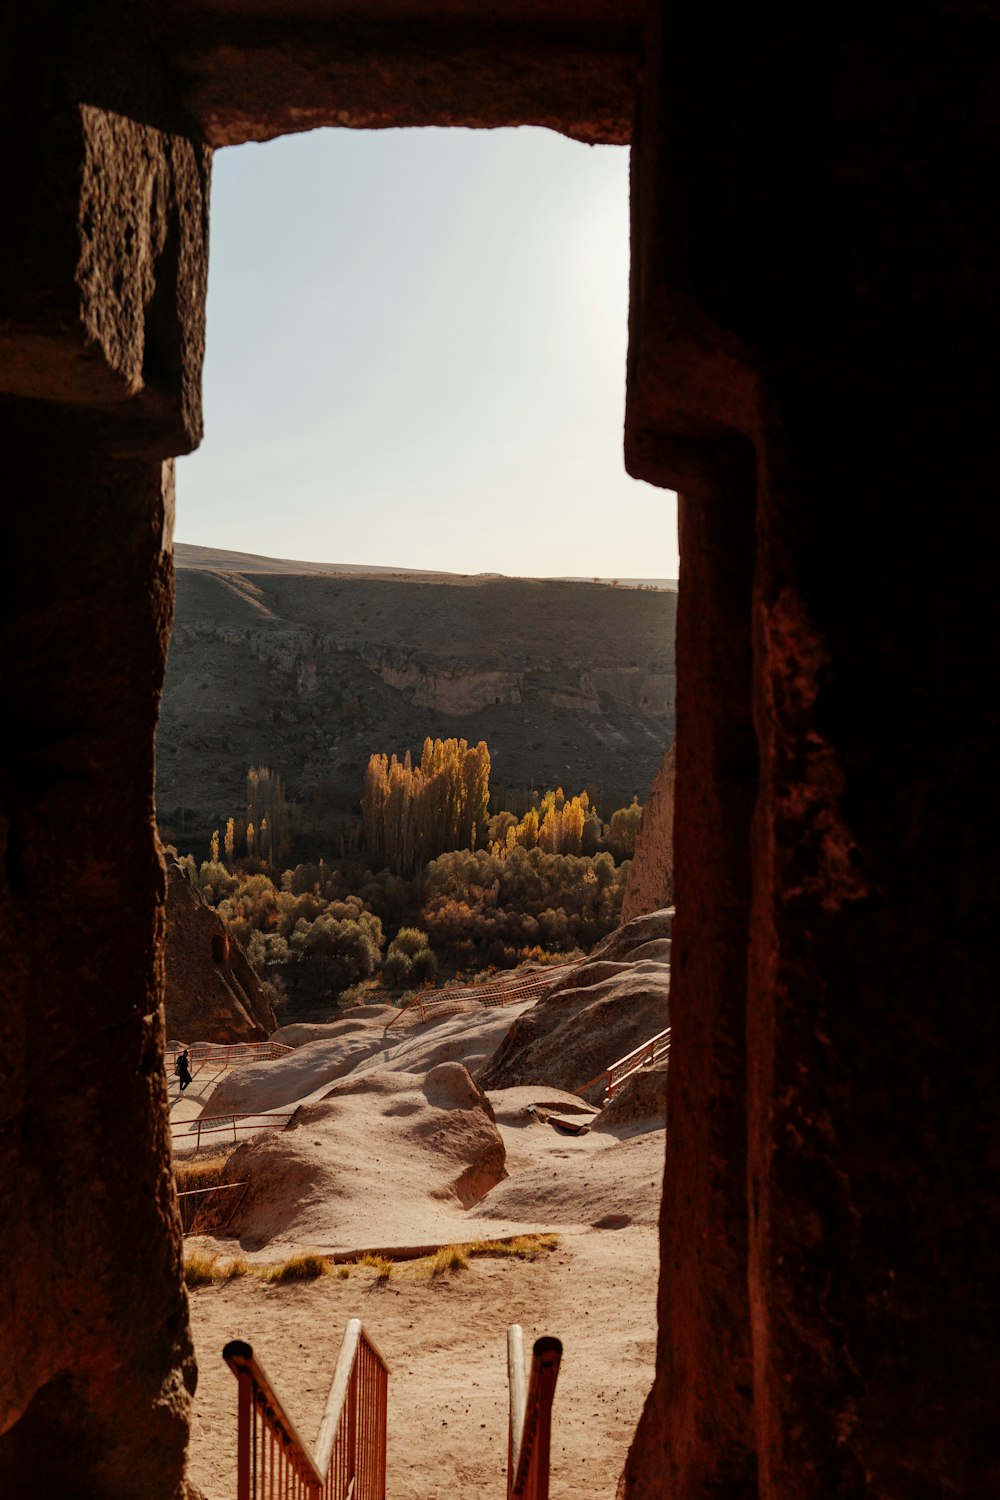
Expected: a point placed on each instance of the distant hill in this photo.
(310, 668)
(221, 560)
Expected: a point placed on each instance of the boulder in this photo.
(362, 1020)
(642, 1100)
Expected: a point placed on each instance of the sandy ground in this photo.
(444, 1337)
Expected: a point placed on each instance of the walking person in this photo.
(182, 1067)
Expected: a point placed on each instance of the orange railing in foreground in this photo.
(349, 1459)
(626, 1067)
(530, 1431)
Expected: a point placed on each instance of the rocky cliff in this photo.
(651, 876)
(568, 682)
(212, 992)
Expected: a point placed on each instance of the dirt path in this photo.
(445, 1341)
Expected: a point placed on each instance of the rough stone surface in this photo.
(813, 341)
(641, 1100)
(253, 72)
(95, 1381)
(271, 1085)
(112, 317)
(360, 1020)
(212, 992)
(651, 875)
(612, 1002)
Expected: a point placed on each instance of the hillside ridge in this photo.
(311, 672)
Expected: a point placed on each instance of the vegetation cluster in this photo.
(440, 885)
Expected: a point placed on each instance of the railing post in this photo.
(548, 1371)
(517, 1395)
(243, 1437)
(352, 1429)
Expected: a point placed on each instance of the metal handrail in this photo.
(349, 1458)
(226, 1052)
(215, 1124)
(642, 1057)
(190, 1211)
(626, 1067)
(529, 1437)
(496, 994)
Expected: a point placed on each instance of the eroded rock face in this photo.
(98, 1367)
(611, 1003)
(650, 884)
(213, 993)
(382, 1159)
(642, 1100)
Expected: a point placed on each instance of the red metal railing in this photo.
(227, 1053)
(199, 1201)
(441, 1003)
(223, 1124)
(529, 1437)
(349, 1459)
(626, 1067)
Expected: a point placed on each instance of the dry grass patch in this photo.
(380, 1264)
(305, 1267)
(202, 1270)
(199, 1171)
(523, 1247)
(449, 1258)
(459, 1257)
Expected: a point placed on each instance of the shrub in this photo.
(396, 969)
(424, 966)
(342, 951)
(449, 1258)
(380, 1264)
(357, 994)
(199, 1171)
(305, 1267)
(201, 1269)
(408, 940)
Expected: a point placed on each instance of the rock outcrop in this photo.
(212, 991)
(642, 1100)
(258, 1086)
(651, 875)
(381, 1156)
(614, 1001)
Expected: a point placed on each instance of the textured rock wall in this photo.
(812, 363)
(212, 993)
(814, 329)
(102, 277)
(98, 1364)
(651, 876)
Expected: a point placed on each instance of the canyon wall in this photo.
(568, 682)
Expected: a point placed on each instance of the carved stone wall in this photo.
(812, 363)
(812, 358)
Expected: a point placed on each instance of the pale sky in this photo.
(416, 357)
